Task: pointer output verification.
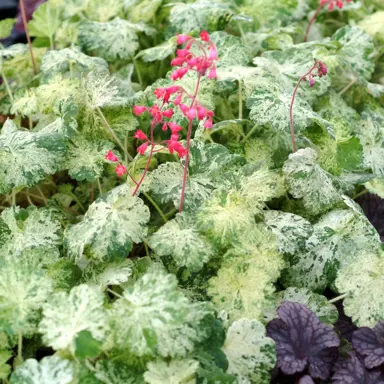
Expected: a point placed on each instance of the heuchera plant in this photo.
(197, 56)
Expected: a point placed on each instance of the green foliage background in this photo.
(109, 290)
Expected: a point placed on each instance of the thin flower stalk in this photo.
(331, 5)
(24, 17)
(318, 69)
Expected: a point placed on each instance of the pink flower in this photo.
(139, 134)
(208, 123)
(177, 61)
(212, 73)
(175, 146)
(174, 127)
(168, 113)
(159, 92)
(181, 39)
(212, 53)
(184, 109)
(172, 89)
(177, 101)
(182, 52)
(312, 81)
(191, 113)
(201, 112)
(155, 112)
(193, 62)
(138, 109)
(331, 5)
(111, 156)
(323, 68)
(164, 127)
(142, 148)
(204, 36)
(339, 3)
(120, 170)
(174, 137)
(179, 73)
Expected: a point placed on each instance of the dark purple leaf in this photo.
(306, 380)
(370, 343)
(353, 371)
(303, 341)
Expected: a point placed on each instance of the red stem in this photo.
(24, 17)
(319, 8)
(149, 159)
(189, 134)
(294, 149)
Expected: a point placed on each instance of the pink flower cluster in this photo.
(321, 71)
(195, 55)
(120, 169)
(332, 3)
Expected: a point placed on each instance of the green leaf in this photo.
(49, 370)
(45, 21)
(326, 312)
(291, 230)
(113, 40)
(269, 105)
(306, 180)
(28, 157)
(370, 132)
(356, 53)
(362, 280)
(160, 52)
(111, 225)
(66, 316)
(142, 10)
(376, 186)
(225, 217)
(117, 372)
(5, 369)
(180, 239)
(32, 231)
(251, 355)
(198, 16)
(65, 60)
(339, 238)
(23, 290)
(86, 346)
(86, 158)
(175, 372)
(154, 318)
(6, 26)
(207, 162)
(101, 11)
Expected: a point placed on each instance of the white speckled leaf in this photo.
(49, 370)
(340, 237)
(109, 228)
(27, 157)
(371, 134)
(306, 180)
(376, 186)
(364, 283)
(66, 315)
(112, 40)
(326, 312)
(86, 158)
(30, 231)
(160, 52)
(180, 239)
(116, 372)
(291, 230)
(23, 290)
(155, 318)
(61, 61)
(174, 372)
(251, 355)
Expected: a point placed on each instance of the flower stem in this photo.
(42, 195)
(249, 134)
(113, 134)
(319, 8)
(240, 100)
(345, 89)
(148, 161)
(20, 347)
(294, 148)
(99, 186)
(137, 72)
(344, 295)
(189, 134)
(158, 209)
(7, 86)
(13, 197)
(24, 17)
(361, 193)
